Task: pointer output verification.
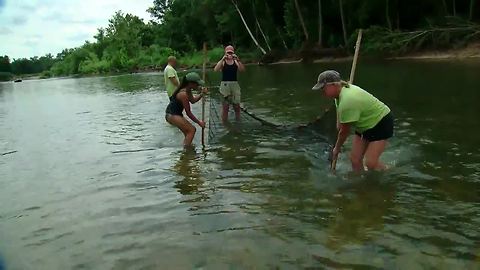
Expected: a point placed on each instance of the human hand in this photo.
(204, 90)
(201, 124)
(235, 57)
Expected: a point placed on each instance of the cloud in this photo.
(5, 30)
(37, 27)
(79, 36)
(19, 20)
(30, 43)
(53, 16)
(64, 17)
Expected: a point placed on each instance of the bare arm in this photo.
(219, 65)
(338, 115)
(338, 122)
(186, 105)
(195, 99)
(240, 65)
(342, 136)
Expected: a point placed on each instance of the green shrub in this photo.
(46, 74)
(5, 76)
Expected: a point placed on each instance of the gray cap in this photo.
(194, 77)
(328, 76)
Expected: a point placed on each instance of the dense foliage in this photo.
(258, 27)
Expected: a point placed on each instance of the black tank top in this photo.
(229, 72)
(175, 107)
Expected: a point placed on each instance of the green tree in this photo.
(5, 64)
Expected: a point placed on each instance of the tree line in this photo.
(260, 29)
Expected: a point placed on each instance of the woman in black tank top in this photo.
(229, 65)
(180, 101)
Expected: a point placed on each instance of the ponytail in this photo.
(182, 85)
(344, 84)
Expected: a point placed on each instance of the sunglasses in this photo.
(229, 52)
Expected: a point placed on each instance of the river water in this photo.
(99, 180)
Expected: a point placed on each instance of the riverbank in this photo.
(470, 51)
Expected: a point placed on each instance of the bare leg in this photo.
(187, 129)
(373, 153)
(236, 107)
(225, 109)
(359, 147)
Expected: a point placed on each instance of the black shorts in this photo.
(167, 115)
(381, 131)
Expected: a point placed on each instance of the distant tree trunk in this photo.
(343, 23)
(301, 20)
(398, 20)
(454, 9)
(276, 28)
(387, 15)
(263, 34)
(281, 37)
(260, 27)
(320, 23)
(444, 2)
(248, 29)
(472, 4)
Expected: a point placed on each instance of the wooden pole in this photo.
(355, 56)
(203, 98)
(333, 165)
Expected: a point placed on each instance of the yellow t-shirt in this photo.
(170, 72)
(360, 108)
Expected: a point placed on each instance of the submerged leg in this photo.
(225, 108)
(373, 153)
(359, 146)
(187, 129)
(236, 107)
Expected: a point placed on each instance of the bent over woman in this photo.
(359, 110)
(180, 101)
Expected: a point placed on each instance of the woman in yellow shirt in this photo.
(358, 109)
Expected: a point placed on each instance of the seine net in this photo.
(322, 128)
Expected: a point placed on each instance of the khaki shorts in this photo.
(230, 91)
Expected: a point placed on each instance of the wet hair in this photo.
(183, 84)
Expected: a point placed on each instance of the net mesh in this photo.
(323, 127)
(216, 128)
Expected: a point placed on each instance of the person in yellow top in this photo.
(357, 109)
(170, 76)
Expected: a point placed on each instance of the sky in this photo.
(36, 27)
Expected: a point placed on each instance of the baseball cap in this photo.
(325, 77)
(229, 48)
(194, 77)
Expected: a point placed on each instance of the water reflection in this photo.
(238, 149)
(261, 198)
(188, 168)
(363, 207)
